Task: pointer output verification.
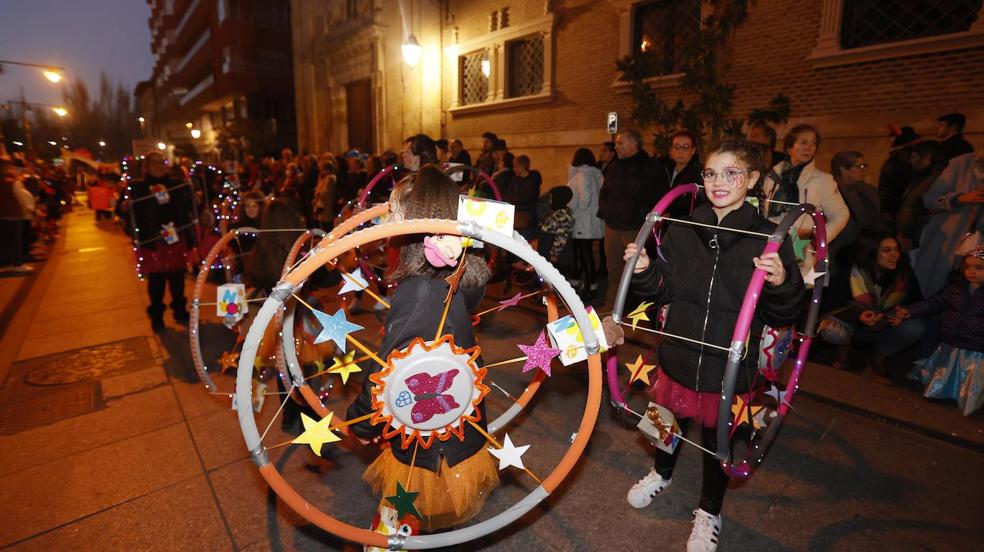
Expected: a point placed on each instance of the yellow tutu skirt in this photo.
(451, 496)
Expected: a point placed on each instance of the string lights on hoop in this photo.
(735, 409)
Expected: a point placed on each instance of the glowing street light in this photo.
(196, 134)
(189, 125)
(411, 50)
(141, 119)
(52, 75)
(161, 146)
(102, 143)
(52, 142)
(60, 111)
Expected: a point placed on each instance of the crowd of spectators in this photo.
(33, 197)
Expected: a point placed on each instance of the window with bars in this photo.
(870, 22)
(525, 60)
(666, 28)
(474, 77)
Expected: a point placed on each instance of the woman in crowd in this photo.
(848, 169)
(584, 180)
(323, 202)
(928, 163)
(523, 191)
(683, 166)
(800, 181)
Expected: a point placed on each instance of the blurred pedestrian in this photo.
(584, 180)
(895, 176)
(950, 131)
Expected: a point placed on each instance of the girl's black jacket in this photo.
(703, 275)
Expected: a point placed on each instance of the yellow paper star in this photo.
(742, 411)
(316, 433)
(228, 360)
(639, 313)
(344, 366)
(639, 370)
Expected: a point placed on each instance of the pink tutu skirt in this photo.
(684, 402)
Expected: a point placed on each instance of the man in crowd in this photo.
(895, 175)
(605, 156)
(485, 160)
(633, 185)
(682, 166)
(458, 153)
(765, 136)
(950, 131)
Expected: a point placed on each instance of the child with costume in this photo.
(956, 369)
(453, 477)
(702, 273)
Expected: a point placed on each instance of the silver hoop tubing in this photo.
(295, 278)
(744, 467)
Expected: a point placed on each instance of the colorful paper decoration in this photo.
(800, 245)
(775, 393)
(490, 214)
(742, 411)
(353, 281)
(512, 301)
(344, 366)
(640, 370)
(230, 300)
(661, 427)
(509, 454)
(334, 327)
(639, 314)
(811, 277)
(160, 193)
(403, 501)
(228, 360)
(316, 433)
(566, 336)
(169, 233)
(539, 354)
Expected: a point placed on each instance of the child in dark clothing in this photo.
(556, 230)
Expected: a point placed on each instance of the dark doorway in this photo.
(358, 107)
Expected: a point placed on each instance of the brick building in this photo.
(542, 74)
(220, 65)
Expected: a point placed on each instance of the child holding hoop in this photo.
(453, 477)
(702, 274)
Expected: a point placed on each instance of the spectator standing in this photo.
(523, 191)
(323, 202)
(927, 164)
(632, 187)
(861, 198)
(800, 181)
(895, 176)
(485, 160)
(955, 201)
(584, 180)
(950, 131)
(683, 166)
(458, 153)
(765, 136)
(605, 156)
(12, 207)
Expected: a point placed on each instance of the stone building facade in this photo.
(542, 74)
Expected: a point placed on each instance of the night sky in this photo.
(85, 37)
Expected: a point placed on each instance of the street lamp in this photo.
(60, 111)
(411, 50)
(102, 143)
(52, 75)
(196, 134)
(161, 146)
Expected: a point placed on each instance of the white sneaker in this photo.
(704, 536)
(642, 493)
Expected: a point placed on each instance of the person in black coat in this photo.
(702, 274)
(951, 127)
(633, 185)
(682, 166)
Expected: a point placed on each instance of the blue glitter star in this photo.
(334, 327)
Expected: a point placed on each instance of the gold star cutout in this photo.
(639, 314)
(228, 360)
(316, 433)
(742, 411)
(640, 370)
(344, 366)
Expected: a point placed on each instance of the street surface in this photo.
(108, 442)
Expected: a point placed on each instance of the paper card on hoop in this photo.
(490, 214)
(457, 176)
(566, 336)
(230, 301)
(169, 233)
(661, 427)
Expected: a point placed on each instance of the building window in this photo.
(474, 70)
(525, 62)
(667, 28)
(870, 22)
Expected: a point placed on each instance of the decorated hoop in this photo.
(478, 174)
(453, 361)
(744, 466)
(372, 184)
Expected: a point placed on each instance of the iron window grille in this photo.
(666, 28)
(525, 58)
(870, 22)
(474, 82)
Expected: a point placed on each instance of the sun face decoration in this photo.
(428, 390)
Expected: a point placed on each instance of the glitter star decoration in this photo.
(316, 433)
(228, 360)
(334, 327)
(403, 502)
(640, 370)
(539, 354)
(639, 314)
(811, 277)
(778, 395)
(509, 454)
(344, 366)
(512, 301)
(742, 411)
(353, 281)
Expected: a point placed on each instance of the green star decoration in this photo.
(800, 245)
(403, 502)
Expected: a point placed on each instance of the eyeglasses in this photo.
(682, 147)
(731, 175)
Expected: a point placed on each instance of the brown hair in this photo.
(794, 134)
(749, 153)
(429, 193)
